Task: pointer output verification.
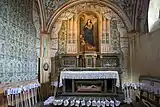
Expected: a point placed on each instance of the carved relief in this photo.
(115, 37)
(62, 38)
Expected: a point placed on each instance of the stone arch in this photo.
(109, 4)
(41, 14)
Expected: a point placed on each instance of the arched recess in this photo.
(108, 4)
(59, 43)
(108, 33)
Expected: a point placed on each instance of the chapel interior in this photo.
(79, 53)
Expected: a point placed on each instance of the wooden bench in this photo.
(3, 99)
(150, 98)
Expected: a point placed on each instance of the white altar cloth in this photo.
(90, 75)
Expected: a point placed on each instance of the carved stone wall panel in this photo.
(106, 48)
(56, 28)
(18, 55)
(71, 48)
(54, 44)
(115, 36)
(54, 38)
(62, 38)
(53, 52)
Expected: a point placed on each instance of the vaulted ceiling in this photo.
(135, 10)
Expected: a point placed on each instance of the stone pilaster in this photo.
(45, 59)
(125, 52)
(132, 54)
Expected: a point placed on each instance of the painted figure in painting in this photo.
(88, 35)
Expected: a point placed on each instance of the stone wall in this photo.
(147, 55)
(18, 56)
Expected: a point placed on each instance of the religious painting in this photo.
(88, 32)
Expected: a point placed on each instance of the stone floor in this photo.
(136, 104)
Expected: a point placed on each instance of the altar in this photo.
(89, 87)
(89, 82)
(89, 74)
